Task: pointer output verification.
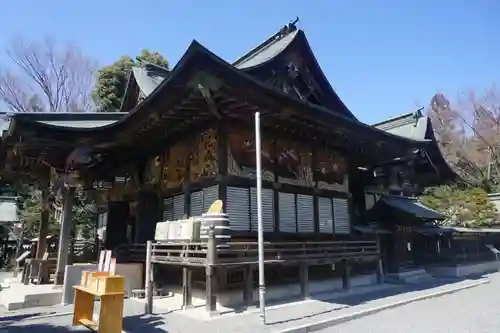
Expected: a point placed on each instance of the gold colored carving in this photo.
(153, 171)
(241, 155)
(331, 171)
(176, 162)
(294, 164)
(204, 160)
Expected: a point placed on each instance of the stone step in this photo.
(418, 278)
(20, 296)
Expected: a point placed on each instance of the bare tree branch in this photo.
(469, 133)
(45, 77)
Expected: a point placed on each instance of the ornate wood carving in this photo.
(176, 164)
(241, 155)
(331, 171)
(153, 172)
(294, 78)
(294, 163)
(204, 161)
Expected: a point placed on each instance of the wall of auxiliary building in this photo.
(283, 161)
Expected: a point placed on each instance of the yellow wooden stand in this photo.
(110, 290)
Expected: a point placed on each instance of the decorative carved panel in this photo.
(294, 164)
(204, 160)
(241, 155)
(153, 172)
(176, 163)
(331, 171)
(294, 78)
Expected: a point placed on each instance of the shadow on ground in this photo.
(23, 316)
(345, 301)
(38, 328)
(139, 323)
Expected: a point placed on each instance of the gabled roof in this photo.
(416, 126)
(411, 125)
(199, 59)
(180, 84)
(389, 209)
(145, 79)
(149, 77)
(268, 49)
(265, 59)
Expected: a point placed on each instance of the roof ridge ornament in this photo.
(288, 28)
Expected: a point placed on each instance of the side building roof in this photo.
(414, 125)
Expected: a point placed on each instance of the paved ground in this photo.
(281, 317)
(475, 310)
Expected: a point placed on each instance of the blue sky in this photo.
(382, 57)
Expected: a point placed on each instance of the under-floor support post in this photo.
(304, 281)
(211, 277)
(380, 272)
(187, 288)
(346, 275)
(248, 289)
(211, 287)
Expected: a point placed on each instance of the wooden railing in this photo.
(238, 253)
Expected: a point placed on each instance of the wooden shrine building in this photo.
(185, 137)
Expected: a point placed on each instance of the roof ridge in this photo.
(284, 31)
(417, 114)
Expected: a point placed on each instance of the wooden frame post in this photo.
(346, 275)
(211, 278)
(187, 288)
(44, 223)
(64, 234)
(248, 289)
(379, 268)
(304, 281)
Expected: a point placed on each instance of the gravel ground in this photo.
(475, 310)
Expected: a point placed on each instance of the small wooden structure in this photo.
(110, 291)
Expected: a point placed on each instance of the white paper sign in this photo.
(107, 261)
(112, 266)
(101, 261)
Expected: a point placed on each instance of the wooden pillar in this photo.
(248, 289)
(379, 268)
(187, 288)
(44, 223)
(64, 234)
(346, 272)
(304, 281)
(210, 276)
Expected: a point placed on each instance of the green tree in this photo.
(467, 207)
(31, 214)
(112, 80)
(83, 215)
